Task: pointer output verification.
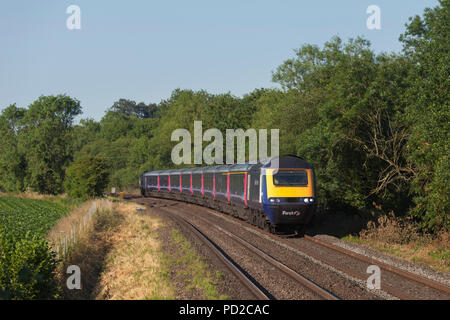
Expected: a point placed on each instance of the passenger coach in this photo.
(275, 199)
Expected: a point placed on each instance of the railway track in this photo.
(402, 273)
(305, 282)
(386, 287)
(362, 276)
(254, 287)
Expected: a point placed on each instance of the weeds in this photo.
(196, 271)
(401, 237)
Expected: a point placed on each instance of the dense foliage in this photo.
(27, 265)
(86, 178)
(375, 126)
(37, 144)
(427, 45)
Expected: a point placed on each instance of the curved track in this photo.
(402, 273)
(248, 282)
(311, 285)
(321, 292)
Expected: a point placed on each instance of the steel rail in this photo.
(277, 264)
(250, 284)
(384, 287)
(397, 271)
(284, 268)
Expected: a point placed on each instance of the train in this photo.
(277, 194)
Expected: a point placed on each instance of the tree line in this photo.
(375, 127)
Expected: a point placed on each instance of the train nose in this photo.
(290, 213)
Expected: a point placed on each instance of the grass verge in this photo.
(133, 268)
(193, 270)
(401, 238)
(89, 253)
(128, 255)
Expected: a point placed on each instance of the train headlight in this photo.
(311, 200)
(306, 200)
(273, 200)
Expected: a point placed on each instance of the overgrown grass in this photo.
(196, 271)
(89, 254)
(402, 238)
(133, 268)
(121, 257)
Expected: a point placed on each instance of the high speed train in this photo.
(277, 194)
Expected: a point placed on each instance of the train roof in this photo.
(287, 161)
(219, 168)
(241, 167)
(153, 173)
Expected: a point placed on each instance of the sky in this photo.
(142, 50)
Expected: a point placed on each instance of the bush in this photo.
(392, 230)
(86, 178)
(27, 268)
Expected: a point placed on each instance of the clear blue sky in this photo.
(142, 50)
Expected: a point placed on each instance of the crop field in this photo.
(19, 216)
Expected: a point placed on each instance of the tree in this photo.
(12, 162)
(86, 177)
(343, 107)
(427, 43)
(84, 133)
(130, 108)
(45, 140)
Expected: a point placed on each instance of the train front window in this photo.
(290, 178)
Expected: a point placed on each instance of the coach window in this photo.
(163, 181)
(237, 183)
(218, 182)
(207, 181)
(196, 181)
(186, 181)
(225, 183)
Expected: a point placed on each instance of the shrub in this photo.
(27, 268)
(87, 178)
(392, 230)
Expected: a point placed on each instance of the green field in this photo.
(19, 216)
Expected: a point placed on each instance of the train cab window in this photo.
(287, 178)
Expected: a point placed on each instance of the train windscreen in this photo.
(290, 178)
